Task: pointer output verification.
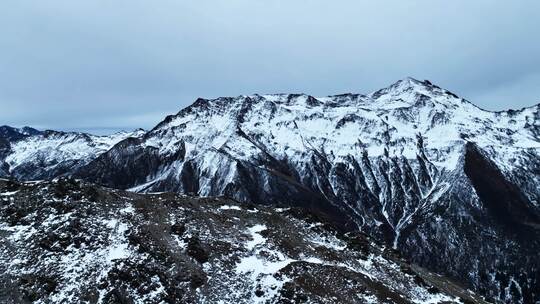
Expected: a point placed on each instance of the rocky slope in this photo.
(72, 242)
(453, 187)
(29, 154)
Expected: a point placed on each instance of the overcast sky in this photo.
(99, 65)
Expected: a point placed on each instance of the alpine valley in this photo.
(453, 188)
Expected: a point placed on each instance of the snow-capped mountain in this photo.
(73, 242)
(30, 154)
(454, 187)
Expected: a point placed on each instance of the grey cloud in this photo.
(125, 64)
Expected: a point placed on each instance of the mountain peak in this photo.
(412, 81)
(407, 84)
(410, 91)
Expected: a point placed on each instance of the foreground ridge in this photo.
(72, 241)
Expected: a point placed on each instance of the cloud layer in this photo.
(125, 64)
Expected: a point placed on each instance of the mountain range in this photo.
(452, 187)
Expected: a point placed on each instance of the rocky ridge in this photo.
(71, 242)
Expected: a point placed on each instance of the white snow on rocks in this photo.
(263, 263)
(256, 237)
(229, 207)
(9, 193)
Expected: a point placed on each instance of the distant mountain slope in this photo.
(454, 187)
(29, 154)
(71, 242)
(7, 136)
(12, 134)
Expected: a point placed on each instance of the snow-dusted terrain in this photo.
(70, 242)
(32, 155)
(454, 187)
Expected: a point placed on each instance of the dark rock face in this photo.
(507, 211)
(507, 205)
(127, 164)
(68, 241)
